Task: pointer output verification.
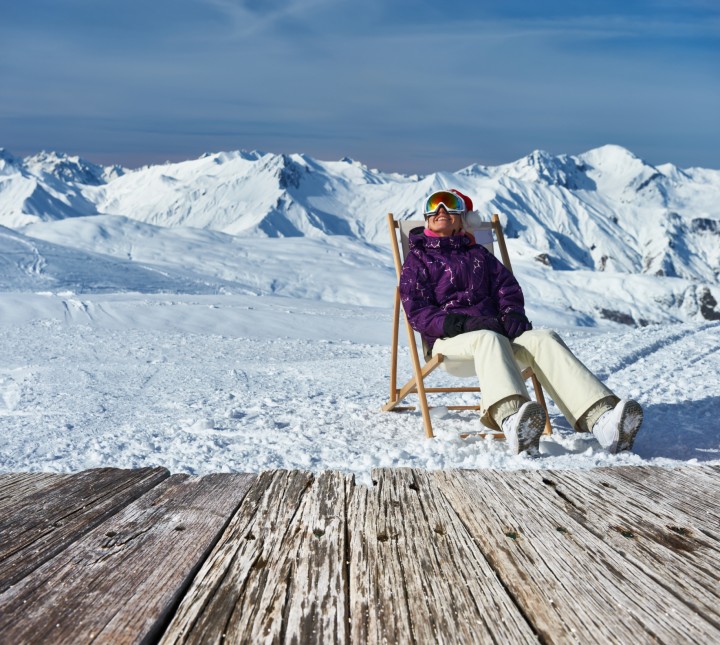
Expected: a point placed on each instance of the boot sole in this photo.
(530, 427)
(630, 422)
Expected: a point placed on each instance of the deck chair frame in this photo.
(416, 385)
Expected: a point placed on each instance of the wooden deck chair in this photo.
(483, 232)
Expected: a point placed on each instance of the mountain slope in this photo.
(603, 212)
(31, 264)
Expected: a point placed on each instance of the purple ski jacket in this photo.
(444, 275)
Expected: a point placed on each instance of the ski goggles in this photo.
(453, 203)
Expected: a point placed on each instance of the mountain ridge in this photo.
(605, 211)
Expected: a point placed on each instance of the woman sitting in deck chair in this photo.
(467, 305)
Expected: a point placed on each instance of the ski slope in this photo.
(203, 384)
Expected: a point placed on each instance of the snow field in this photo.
(104, 382)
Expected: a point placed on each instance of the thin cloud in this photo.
(248, 19)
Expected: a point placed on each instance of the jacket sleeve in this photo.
(505, 288)
(418, 299)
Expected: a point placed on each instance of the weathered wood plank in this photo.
(608, 554)
(277, 573)
(53, 516)
(375, 580)
(664, 546)
(572, 585)
(119, 583)
(14, 487)
(661, 498)
(416, 575)
(693, 490)
(316, 605)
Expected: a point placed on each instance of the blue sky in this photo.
(401, 85)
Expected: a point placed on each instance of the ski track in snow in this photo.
(665, 337)
(76, 396)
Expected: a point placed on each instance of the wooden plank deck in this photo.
(626, 554)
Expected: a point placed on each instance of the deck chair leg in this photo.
(394, 356)
(419, 383)
(541, 400)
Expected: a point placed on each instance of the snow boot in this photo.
(616, 429)
(523, 429)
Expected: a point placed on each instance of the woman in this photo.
(467, 305)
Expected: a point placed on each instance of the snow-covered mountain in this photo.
(602, 235)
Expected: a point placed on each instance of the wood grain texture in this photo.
(665, 545)
(278, 572)
(119, 583)
(572, 585)
(622, 554)
(416, 575)
(62, 510)
(692, 490)
(673, 502)
(14, 487)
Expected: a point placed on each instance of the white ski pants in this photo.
(581, 397)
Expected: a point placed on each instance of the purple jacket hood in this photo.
(444, 275)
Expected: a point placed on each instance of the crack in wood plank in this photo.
(574, 585)
(52, 517)
(413, 583)
(684, 565)
(124, 593)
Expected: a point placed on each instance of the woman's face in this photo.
(444, 224)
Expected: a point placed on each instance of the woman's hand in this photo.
(462, 323)
(515, 324)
